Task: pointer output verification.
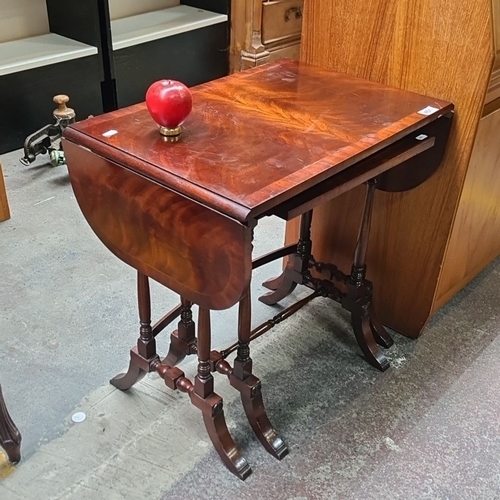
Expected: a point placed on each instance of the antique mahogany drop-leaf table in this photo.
(275, 140)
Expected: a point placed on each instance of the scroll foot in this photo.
(124, 381)
(13, 451)
(366, 341)
(286, 287)
(174, 357)
(274, 283)
(179, 348)
(251, 397)
(215, 423)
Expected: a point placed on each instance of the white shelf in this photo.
(37, 51)
(150, 26)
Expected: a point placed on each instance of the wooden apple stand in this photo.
(425, 244)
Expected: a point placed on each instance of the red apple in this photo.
(169, 102)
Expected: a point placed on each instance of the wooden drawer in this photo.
(292, 52)
(281, 19)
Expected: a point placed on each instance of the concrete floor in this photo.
(426, 429)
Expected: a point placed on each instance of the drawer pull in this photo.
(293, 12)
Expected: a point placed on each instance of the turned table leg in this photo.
(10, 437)
(210, 403)
(146, 344)
(144, 359)
(249, 386)
(366, 327)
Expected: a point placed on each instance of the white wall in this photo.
(125, 8)
(22, 19)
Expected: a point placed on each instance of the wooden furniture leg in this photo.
(146, 344)
(182, 340)
(358, 298)
(298, 264)
(4, 204)
(144, 359)
(10, 437)
(210, 403)
(249, 386)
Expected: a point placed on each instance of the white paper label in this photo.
(428, 110)
(110, 133)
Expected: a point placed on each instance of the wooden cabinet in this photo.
(264, 30)
(426, 243)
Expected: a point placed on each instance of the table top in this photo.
(257, 138)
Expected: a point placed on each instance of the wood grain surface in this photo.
(163, 235)
(475, 239)
(257, 138)
(426, 46)
(4, 202)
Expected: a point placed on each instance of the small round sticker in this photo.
(78, 417)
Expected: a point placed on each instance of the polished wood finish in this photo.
(257, 138)
(249, 386)
(376, 165)
(427, 46)
(210, 403)
(263, 31)
(4, 202)
(146, 344)
(268, 141)
(10, 437)
(144, 359)
(142, 233)
(352, 291)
